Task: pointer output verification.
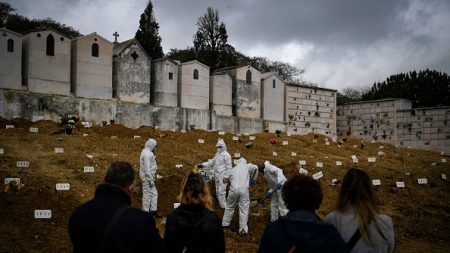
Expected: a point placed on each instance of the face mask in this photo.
(219, 149)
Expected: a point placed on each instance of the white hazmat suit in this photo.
(276, 180)
(147, 174)
(239, 177)
(221, 163)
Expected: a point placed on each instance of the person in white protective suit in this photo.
(276, 180)
(241, 176)
(147, 174)
(221, 163)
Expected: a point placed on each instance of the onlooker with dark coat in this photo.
(301, 230)
(193, 226)
(107, 223)
(357, 215)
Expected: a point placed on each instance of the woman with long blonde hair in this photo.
(193, 226)
(358, 218)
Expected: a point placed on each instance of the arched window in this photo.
(10, 45)
(50, 45)
(248, 77)
(195, 74)
(95, 50)
(273, 83)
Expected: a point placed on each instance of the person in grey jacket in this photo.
(357, 210)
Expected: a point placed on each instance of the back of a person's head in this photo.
(302, 192)
(194, 190)
(356, 190)
(120, 174)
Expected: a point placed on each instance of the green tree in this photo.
(5, 11)
(147, 34)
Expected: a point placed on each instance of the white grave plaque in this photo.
(201, 141)
(314, 141)
(289, 134)
(275, 153)
(444, 176)
(2, 151)
(9, 126)
(303, 171)
(136, 137)
(183, 131)
(235, 138)
(443, 160)
(381, 153)
(252, 138)
(84, 135)
(302, 162)
(319, 165)
(376, 182)
(42, 214)
(327, 143)
(318, 175)
(221, 132)
(59, 150)
(381, 147)
(285, 143)
(176, 205)
(62, 186)
(33, 130)
(422, 181)
(326, 139)
(400, 184)
(23, 164)
(355, 146)
(373, 141)
(293, 154)
(371, 159)
(338, 163)
(355, 160)
(90, 156)
(12, 179)
(237, 155)
(89, 169)
(178, 166)
(235, 161)
(246, 134)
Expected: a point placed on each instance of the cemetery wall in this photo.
(10, 62)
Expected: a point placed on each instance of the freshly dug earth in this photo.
(421, 213)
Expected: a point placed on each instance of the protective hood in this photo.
(221, 143)
(241, 161)
(150, 144)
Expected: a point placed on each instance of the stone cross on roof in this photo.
(115, 34)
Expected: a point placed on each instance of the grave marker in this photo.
(302, 162)
(376, 182)
(381, 153)
(59, 150)
(400, 184)
(201, 141)
(90, 156)
(42, 214)
(235, 138)
(338, 163)
(327, 143)
(319, 165)
(178, 166)
(114, 137)
(355, 146)
(2, 151)
(293, 154)
(275, 153)
(444, 177)
(62, 186)
(136, 137)
(433, 164)
(23, 164)
(289, 134)
(371, 159)
(12, 179)
(88, 169)
(285, 143)
(235, 161)
(221, 132)
(9, 126)
(443, 160)
(176, 205)
(318, 175)
(314, 141)
(183, 131)
(303, 171)
(33, 130)
(246, 134)
(422, 181)
(381, 147)
(84, 135)
(238, 155)
(334, 181)
(252, 138)
(442, 153)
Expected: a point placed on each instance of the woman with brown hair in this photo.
(193, 226)
(357, 215)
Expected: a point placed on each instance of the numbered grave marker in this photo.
(318, 175)
(12, 179)
(2, 151)
(42, 214)
(235, 161)
(400, 184)
(443, 160)
(422, 181)
(376, 182)
(9, 126)
(136, 137)
(326, 139)
(293, 154)
(62, 186)
(238, 155)
(183, 131)
(285, 143)
(235, 138)
(221, 132)
(246, 134)
(302, 162)
(59, 150)
(319, 165)
(303, 171)
(371, 159)
(338, 163)
(176, 205)
(90, 156)
(88, 169)
(275, 153)
(23, 164)
(289, 134)
(252, 138)
(381, 153)
(201, 141)
(84, 135)
(442, 153)
(33, 130)
(327, 143)
(444, 177)
(178, 166)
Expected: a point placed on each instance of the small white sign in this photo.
(314, 141)
(334, 181)
(327, 143)
(12, 179)
(88, 169)
(285, 143)
(443, 160)
(33, 130)
(238, 155)
(114, 137)
(90, 156)
(62, 186)
(293, 154)
(376, 182)
(338, 163)
(371, 159)
(289, 134)
(373, 141)
(183, 131)
(303, 171)
(246, 134)
(381, 147)
(433, 164)
(319, 165)
(422, 181)
(201, 141)
(59, 150)
(235, 161)
(178, 166)
(235, 138)
(9, 126)
(23, 164)
(84, 135)
(442, 153)
(176, 205)
(355, 146)
(42, 214)
(136, 137)
(355, 160)
(2, 151)
(275, 153)
(400, 184)
(302, 162)
(381, 153)
(221, 132)
(252, 138)
(444, 176)
(318, 175)
(326, 139)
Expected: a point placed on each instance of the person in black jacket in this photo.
(193, 226)
(107, 223)
(301, 230)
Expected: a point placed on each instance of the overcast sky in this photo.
(340, 43)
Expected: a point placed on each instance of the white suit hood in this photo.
(239, 176)
(150, 144)
(221, 143)
(274, 175)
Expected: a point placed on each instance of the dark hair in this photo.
(302, 192)
(120, 173)
(194, 190)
